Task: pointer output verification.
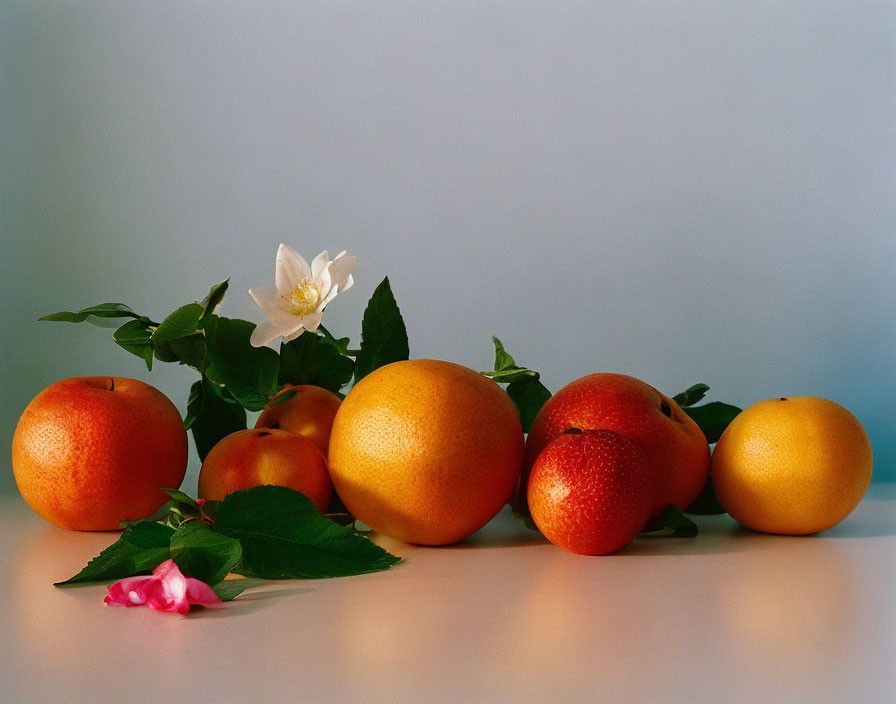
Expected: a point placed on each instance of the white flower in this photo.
(297, 301)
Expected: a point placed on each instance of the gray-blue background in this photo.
(681, 191)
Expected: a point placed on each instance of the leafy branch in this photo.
(236, 377)
(266, 532)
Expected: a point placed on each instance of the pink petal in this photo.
(131, 591)
(173, 582)
(198, 592)
(161, 598)
(167, 568)
(160, 603)
(165, 590)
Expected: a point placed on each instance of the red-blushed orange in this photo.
(91, 452)
(677, 448)
(591, 492)
(309, 412)
(254, 457)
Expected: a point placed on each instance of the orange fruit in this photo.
(590, 492)
(426, 451)
(794, 465)
(676, 447)
(255, 457)
(91, 452)
(309, 412)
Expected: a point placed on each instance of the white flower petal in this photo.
(299, 287)
(294, 335)
(329, 297)
(320, 262)
(290, 269)
(341, 272)
(311, 322)
(324, 284)
(264, 333)
(270, 302)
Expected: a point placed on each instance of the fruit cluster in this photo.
(429, 451)
(425, 451)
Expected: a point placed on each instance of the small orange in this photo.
(794, 465)
(309, 412)
(426, 451)
(590, 492)
(249, 458)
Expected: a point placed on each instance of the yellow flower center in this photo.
(304, 298)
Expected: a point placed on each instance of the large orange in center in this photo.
(426, 451)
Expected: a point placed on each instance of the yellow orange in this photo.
(794, 465)
(426, 451)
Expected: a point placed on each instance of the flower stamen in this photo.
(304, 298)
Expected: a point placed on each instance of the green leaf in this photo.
(341, 344)
(503, 361)
(178, 338)
(103, 310)
(674, 524)
(194, 405)
(188, 350)
(692, 395)
(134, 337)
(210, 509)
(139, 550)
(211, 301)
(232, 588)
(384, 338)
(707, 503)
(310, 359)
(523, 385)
(508, 376)
(526, 520)
(284, 537)
(204, 553)
(713, 418)
(212, 413)
(182, 322)
(249, 373)
(528, 395)
(282, 397)
(181, 497)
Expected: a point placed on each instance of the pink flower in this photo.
(166, 589)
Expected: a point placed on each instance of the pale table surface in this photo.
(729, 616)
